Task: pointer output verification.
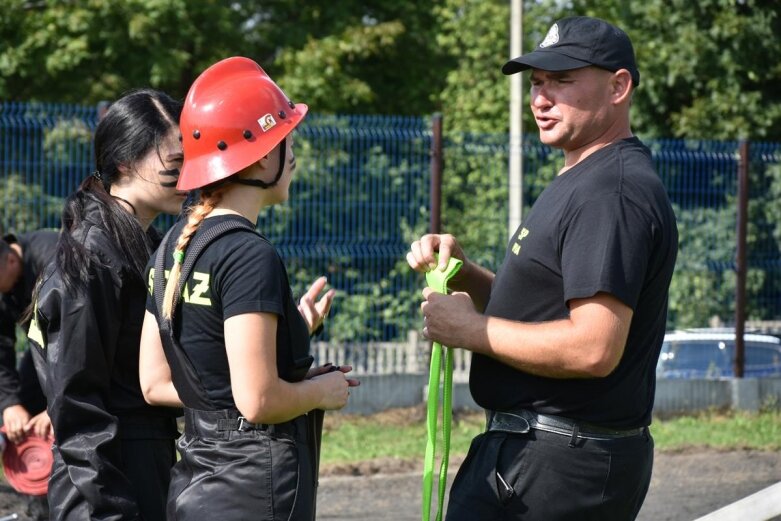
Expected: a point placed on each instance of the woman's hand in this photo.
(329, 368)
(335, 387)
(314, 311)
(15, 418)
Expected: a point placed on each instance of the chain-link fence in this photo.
(361, 195)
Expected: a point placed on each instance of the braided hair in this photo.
(196, 215)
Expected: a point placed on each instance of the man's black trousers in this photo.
(542, 476)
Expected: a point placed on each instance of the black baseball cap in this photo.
(580, 41)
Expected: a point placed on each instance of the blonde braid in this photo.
(197, 214)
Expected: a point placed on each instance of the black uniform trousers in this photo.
(148, 453)
(239, 474)
(542, 476)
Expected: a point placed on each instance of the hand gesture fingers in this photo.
(423, 252)
(314, 311)
(40, 424)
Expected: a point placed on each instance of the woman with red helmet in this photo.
(222, 335)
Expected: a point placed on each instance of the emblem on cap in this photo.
(552, 37)
(267, 122)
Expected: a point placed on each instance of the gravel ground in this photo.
(685, 486)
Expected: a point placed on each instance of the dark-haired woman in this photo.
(234, 348)
(113, 451)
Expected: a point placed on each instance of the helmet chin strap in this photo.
(263, 184)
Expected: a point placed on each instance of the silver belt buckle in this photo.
(244, 425)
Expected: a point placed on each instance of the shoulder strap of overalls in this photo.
(194, 250)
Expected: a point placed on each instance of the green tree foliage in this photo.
(66, 140)
(475, 36)
(709, 68)
(26, 207)
(323, 71)
(374, 56)
(364, 56)
(712, 65)
(88, 50)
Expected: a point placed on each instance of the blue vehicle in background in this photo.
(710, 353)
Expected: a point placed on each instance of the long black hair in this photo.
(133, 126)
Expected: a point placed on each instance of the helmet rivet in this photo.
(291, 104)
(247, 134)
(197, 134)
(282, 114)
(222, 145)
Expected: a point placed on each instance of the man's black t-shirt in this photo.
(237, 273)
(605, 225)
(21, 386)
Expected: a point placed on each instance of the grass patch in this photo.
(725, 431)
(401, 434)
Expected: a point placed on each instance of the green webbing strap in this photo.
(437, 280)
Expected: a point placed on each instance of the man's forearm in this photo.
(548, 349)
(588, 344)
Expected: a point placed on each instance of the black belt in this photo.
(521, 421)
(220, 423)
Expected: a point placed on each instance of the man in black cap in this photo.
(22, 403)
(566, 335)
(22, 259)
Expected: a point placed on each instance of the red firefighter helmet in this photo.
(28, 464)
(234, 114)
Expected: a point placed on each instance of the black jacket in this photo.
(86, 345)
(37, 250)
